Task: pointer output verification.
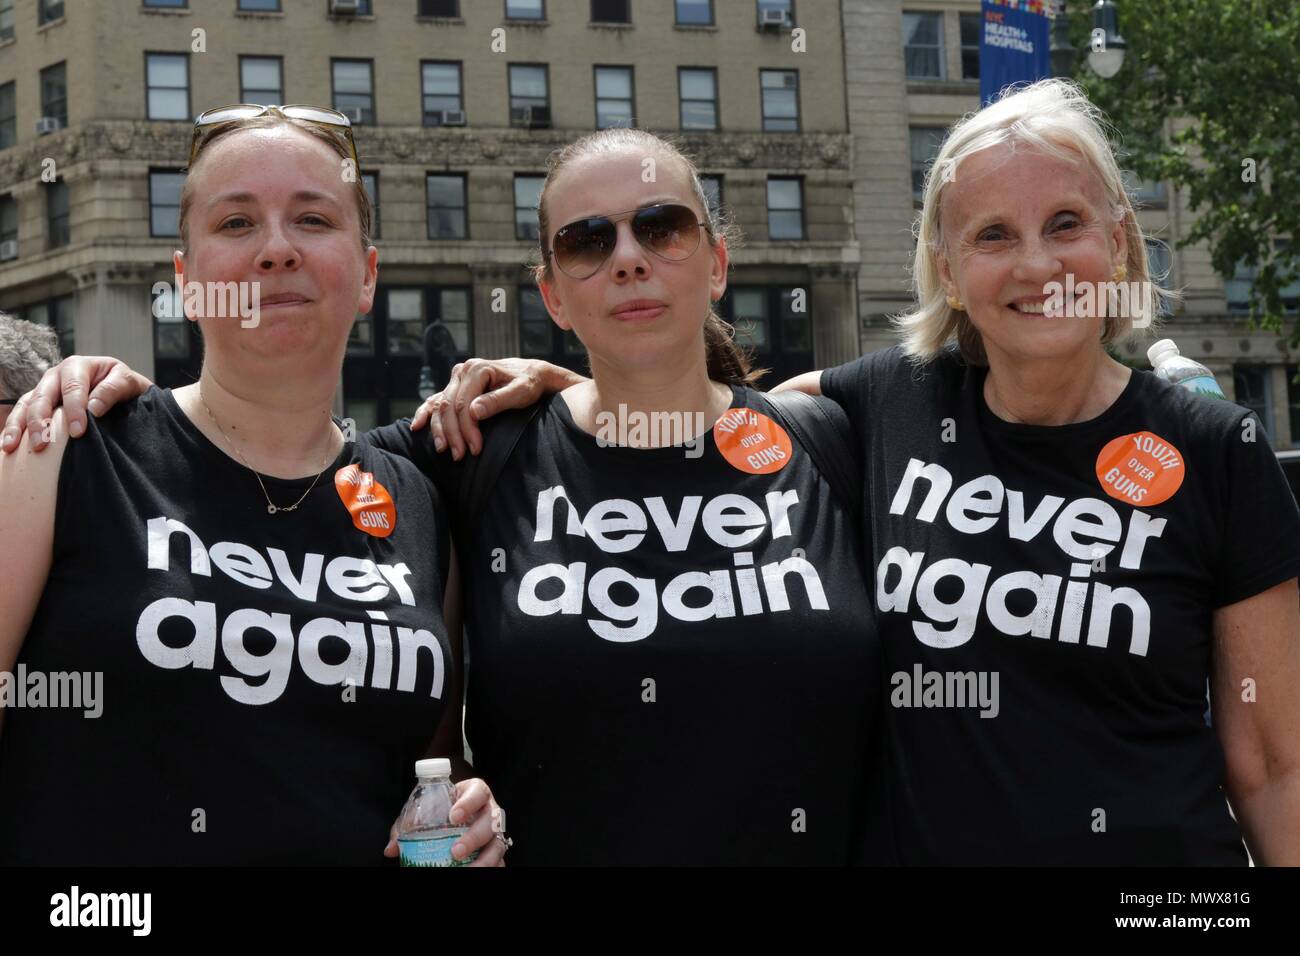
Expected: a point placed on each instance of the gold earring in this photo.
(955, 303)
(1121, 272)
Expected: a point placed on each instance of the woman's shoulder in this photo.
(1198, 417)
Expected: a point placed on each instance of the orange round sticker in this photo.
(1140, 469)
(369, 502)
(751, 441)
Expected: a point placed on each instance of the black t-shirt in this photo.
(1082, 565)
(671, 659)
(267, 680)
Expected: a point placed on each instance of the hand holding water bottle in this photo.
(448, 824)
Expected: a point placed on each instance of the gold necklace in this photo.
(270, 507)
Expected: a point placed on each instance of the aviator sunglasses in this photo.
(670, 230)
(332, 120)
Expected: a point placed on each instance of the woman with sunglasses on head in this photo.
(251, 605)
(666, 630)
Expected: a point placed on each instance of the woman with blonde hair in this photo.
(250, 606)
(1066, 551)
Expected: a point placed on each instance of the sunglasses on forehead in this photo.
(331, 120)
(670, 230)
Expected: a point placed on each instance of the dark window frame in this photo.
(510, 93)
(507, 17)
(460, 87)
(798, 105)
(240, 8)
(942, 48)
(790, 19)
(189, 98)
(678, 22)
(163, 170)
(42, 18)
(45, 111)
(58, 227)
(803, 208)
(595, 88)
(12, 118)
(421, 10)
(370, 64)
(716, 101)
(965, 17)
(514, 198)
(376, 228)
(627, 6)
(464, 192)
(279, 61)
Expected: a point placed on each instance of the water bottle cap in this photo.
(1159, 351)
(433, 767)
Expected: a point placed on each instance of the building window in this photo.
(1293, 401)
(354, 85)
(699, 97)
(611, 11)
(261, 80)
(259, 5)
(172, 4)
(441, 91)
(8, 116)
(767, 322)
(168, 95)
(785, 207)
(925, 144)
(784, 7)
(694, 12)
(48, 11)
(923, 46)
(165, 202)
(1145, 193)
(54, 92)
(712, 186)
(539, 337)
(6, 20)
(171, 333)
(1158, 263)
(440, 8)
(525, 10)
(412, 311)
(1238, 288)
(527, 191)
(8, 225)
(1251, 385)
(446, 207)
(530, 103)
(371, 182)
(970, 46)
(614, 97)
(780, 100)
(56, 214)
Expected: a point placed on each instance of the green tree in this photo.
(1233, 68)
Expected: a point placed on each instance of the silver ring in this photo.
(505, 841)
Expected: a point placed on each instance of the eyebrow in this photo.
(302, 195)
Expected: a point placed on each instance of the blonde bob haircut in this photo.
(1056, 117)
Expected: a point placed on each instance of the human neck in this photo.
(620, 396)
(281, 432)
(1054, 392)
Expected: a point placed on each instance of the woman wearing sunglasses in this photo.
(225, 622)
(668, 629)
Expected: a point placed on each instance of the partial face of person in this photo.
(675, 295)
(272, 207)
(1014, 222)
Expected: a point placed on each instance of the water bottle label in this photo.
(1203, 385)
(432, 850)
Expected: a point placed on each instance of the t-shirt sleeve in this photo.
(846, 385)
(1261, 529)
(398, 439)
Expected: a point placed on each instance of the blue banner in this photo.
(1014, 44)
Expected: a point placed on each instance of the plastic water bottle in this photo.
(425, 836)
(1180, 370)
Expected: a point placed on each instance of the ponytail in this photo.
(727, 361)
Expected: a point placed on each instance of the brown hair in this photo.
(727, 361)
(270, 120)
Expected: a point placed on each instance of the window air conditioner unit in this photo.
(8, 250)
(343, 6)
(353, 113)
(48, 124)
(452, 117)
(772, 18)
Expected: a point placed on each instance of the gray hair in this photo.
(26, 351)
(1054, 116)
